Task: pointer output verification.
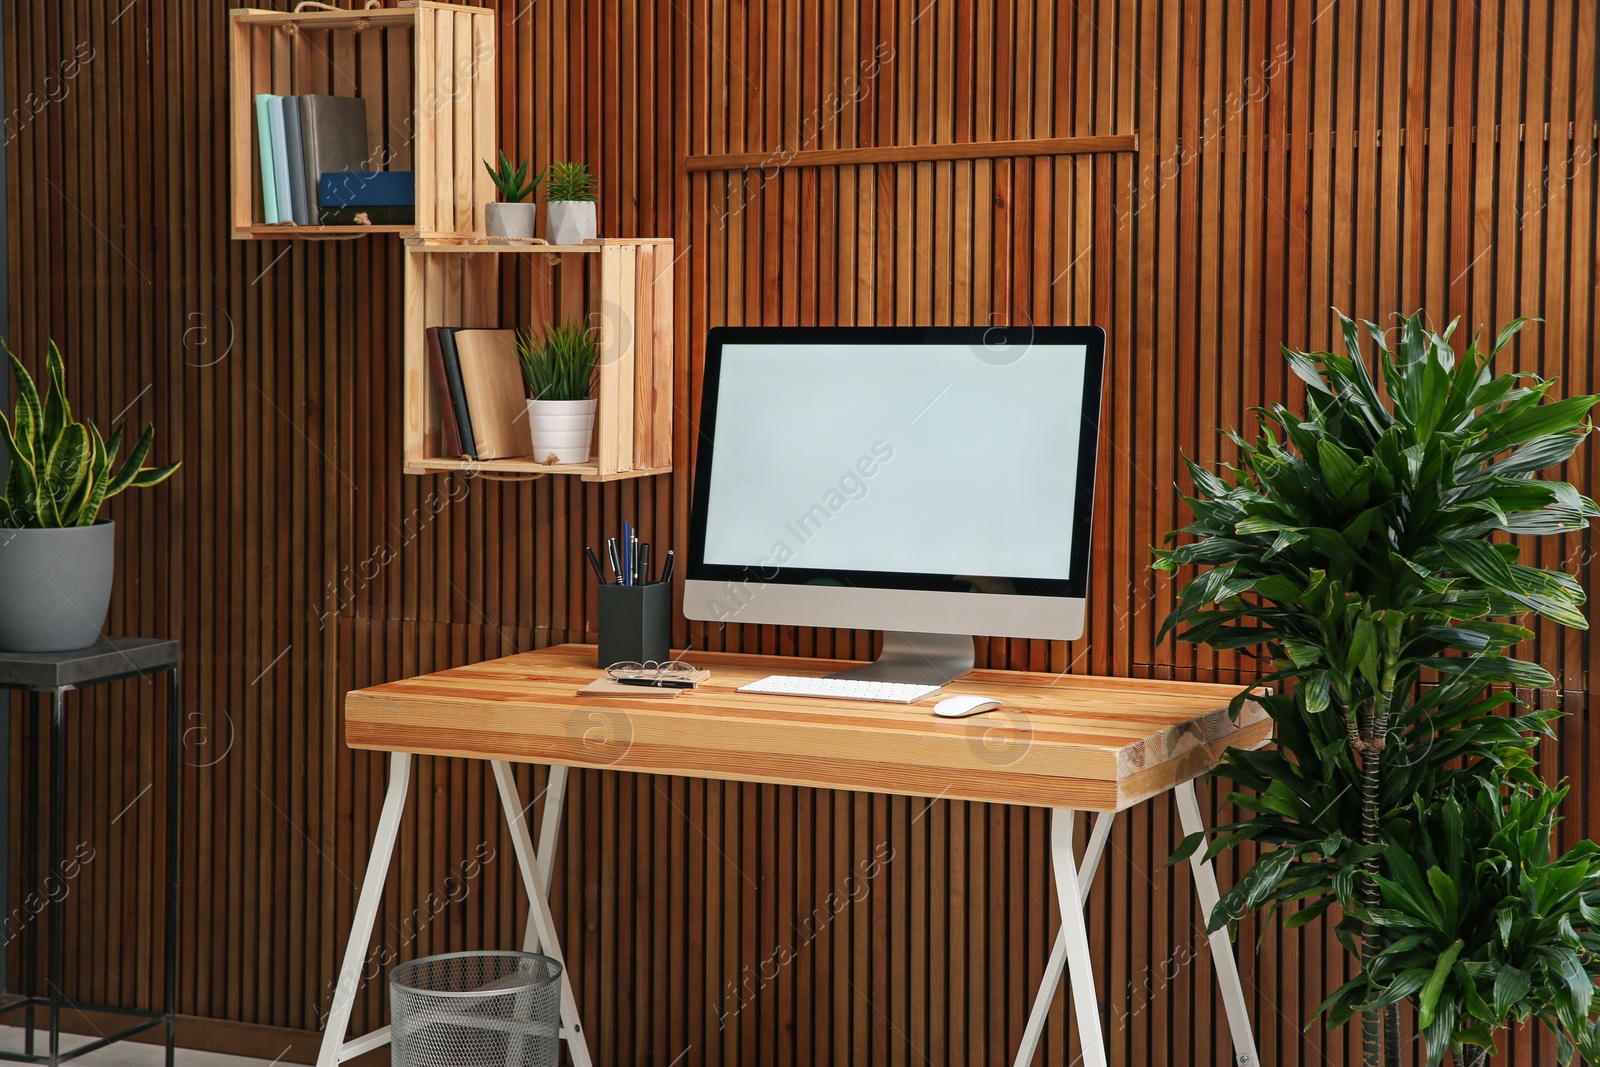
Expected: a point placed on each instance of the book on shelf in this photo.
(369, 188)
(315, 154)
(491, 378)
(299, 208)
(449, 427)
(269, 180)
(456, 397)
(367, 216)
(280, 158)
(386, 197)
(334, 139)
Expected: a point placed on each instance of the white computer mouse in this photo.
(959, 706)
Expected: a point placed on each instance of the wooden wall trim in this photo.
(780, 158)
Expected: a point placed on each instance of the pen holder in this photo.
(635, 623)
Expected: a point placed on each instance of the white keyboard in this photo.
(840, 689)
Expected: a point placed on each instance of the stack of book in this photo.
(315, 165)
(483, 409)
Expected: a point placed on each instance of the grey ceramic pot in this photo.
(55, 586)
(510, 220)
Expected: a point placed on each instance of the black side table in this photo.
(112, 659)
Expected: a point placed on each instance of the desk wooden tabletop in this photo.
(1096, 744)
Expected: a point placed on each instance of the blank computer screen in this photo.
(934, 459)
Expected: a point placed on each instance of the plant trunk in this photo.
(1391, 1036)
(1369, 745)
(1371, 1039)
(1471, 1056)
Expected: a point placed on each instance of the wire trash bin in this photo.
(476, 1009)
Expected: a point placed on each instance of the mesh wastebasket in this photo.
(476, 1009)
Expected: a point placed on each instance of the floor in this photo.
(125, 1054)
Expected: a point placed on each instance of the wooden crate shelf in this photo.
(426, 71)
(622, 287)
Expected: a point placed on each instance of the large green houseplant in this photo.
(56, 554)
(1351, 548)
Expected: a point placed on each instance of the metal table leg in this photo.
(1058, 954)
(335, 1049)
(30, 882)
(1205, 887)
(5, 841)
(58, 848)
(174, 789)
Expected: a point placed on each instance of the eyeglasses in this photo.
(651, 672)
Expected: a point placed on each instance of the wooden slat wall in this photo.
(1375, 155)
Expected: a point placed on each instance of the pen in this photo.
(594, 561)
(625, 576)
(644, 563)
(633, 559)
(666, 568)
(616, 560)
(658, 683)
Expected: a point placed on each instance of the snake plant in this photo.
(63, 471)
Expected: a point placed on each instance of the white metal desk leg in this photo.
(355, 951)
(1205, 887)
(555, 795)
(539, 909)
(1080, 969)
(1058, 954)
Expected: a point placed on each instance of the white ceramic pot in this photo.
(562, 430)
(510, 220)
(570, 222)
(55, 586)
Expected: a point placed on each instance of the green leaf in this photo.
(1444, 891)
(1508, 331)
(1317, 692)
(28, 418)
(131, 466)
(1428, 1002)
(1558, 416)
(149, 476)
(1341, 473)
(1479, 559)
(57, 413)
(1490, 668)
(1186, 848)
(1539, 453)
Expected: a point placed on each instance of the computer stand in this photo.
(922, 659)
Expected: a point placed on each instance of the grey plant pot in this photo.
(570, 222)
(55, 586)
(510, 220)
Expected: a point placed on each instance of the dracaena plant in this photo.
(1351, 549)
(62, 471)
(1482, 923)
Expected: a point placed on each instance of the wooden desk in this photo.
(1065, 742)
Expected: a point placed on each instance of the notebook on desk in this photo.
(607, 687)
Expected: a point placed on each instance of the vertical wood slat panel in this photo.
(1276, 176)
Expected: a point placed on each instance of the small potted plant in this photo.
(559, 371)
(514, 215)
(570, 196)
(57, 556)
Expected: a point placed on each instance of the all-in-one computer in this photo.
(929, 482)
